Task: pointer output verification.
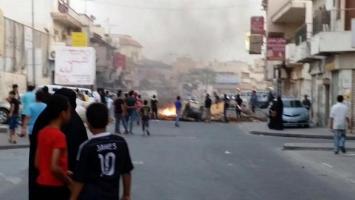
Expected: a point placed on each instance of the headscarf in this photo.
(74, 131)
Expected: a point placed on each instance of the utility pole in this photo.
(33, 45)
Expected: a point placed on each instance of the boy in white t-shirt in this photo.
(339, 120)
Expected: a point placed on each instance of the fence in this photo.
(18, 50)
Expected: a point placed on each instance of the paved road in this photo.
(206, 161)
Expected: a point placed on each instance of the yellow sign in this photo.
(79, 39)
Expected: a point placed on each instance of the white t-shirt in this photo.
(97, 97)
(339, 113)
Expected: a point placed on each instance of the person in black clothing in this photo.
(226, 107)
(238, 107)
(13, 116)
(46, 94)
(307, 103)
(74, 131)
(154, 106)
(208, 105)
(118, 109)
(102, 96)
(102, 161)
(276, 112)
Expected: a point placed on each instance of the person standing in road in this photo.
(276, 112)
(225, 108)
(145, 115)
(102, 162)
(33, 112)
(46, 94)
(178, 108)
(253, 101)
(238, 107)
(13, 116)
(119, 116)
(131, 109)
(154, 105)
(15, 89)
(307, 103)
(339, 119)
(208, 105)
(27, 99)
(51, 159)
(75, 134)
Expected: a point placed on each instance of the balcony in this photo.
(67, 16)
(292, 11)
(331, 42)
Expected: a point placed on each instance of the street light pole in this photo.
(33, 45)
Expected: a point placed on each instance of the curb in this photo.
(19, 146)
(297, 135)
(289, 147)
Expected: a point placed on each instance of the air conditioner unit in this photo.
(52, 48)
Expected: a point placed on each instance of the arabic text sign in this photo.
(276, 48)
(75, 66)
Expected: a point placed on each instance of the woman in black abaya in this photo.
(75, 132)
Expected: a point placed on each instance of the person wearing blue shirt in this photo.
(178, 108)
(32, 113)
(26, 100)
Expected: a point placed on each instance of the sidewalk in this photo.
(4, 143)
(260, 128)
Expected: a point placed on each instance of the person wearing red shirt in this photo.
(51, 158)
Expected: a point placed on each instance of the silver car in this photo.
(294, 113)
(4, 111)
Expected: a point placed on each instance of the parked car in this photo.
(294, 113)
(4, 111)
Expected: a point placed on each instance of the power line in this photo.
(176, 9)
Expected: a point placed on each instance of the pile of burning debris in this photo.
(196, 113)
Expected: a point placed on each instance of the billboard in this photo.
(276, 48)
(257, 25)
(75, 66)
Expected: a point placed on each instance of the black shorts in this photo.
(52, 193)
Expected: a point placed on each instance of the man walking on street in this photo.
(339, 118)
(208, 104)
(131, 109)
(226, 107)
(178, 107)
(154, 106)
(119, 117)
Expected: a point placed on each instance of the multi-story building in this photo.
(319, 54)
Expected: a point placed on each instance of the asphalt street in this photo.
(209, 161)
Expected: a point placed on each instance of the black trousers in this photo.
(52, 193)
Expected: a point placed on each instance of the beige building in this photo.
(319, 57)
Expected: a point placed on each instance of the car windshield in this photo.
(292, 104)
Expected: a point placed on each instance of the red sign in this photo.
(257, 25)
(119, 61)
(276, 48)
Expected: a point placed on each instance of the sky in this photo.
(202, 29)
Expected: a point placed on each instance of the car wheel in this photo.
(4, 114)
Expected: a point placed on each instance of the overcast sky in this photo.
(203, 29)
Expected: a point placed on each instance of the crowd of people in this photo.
(63, 162)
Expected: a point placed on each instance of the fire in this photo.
(168, 111)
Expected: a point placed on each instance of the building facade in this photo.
(319, 57)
